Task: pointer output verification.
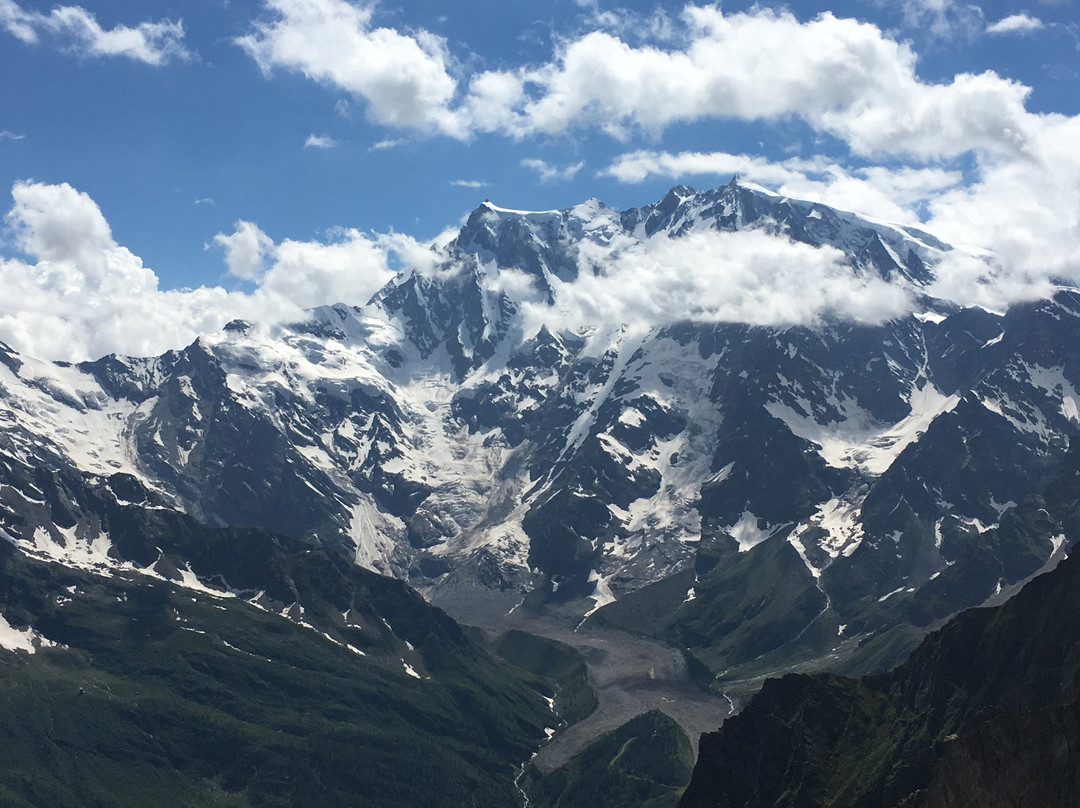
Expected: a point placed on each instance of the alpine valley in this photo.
(237, 573)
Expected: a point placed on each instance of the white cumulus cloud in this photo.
(247, 249)
(843, 77)
(349, 268)
(1026, 211)
(404, 78)
(76, 294)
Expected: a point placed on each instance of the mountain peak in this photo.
(488, 206)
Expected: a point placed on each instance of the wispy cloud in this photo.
(319, 142)
(656, 26)
(550, 173)
(389, 143)
(1015, 24)
(6, 135)
(945, 20)
(77, 30)
(469, 183)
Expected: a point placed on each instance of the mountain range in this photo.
(592, 417)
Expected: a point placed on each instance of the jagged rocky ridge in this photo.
(687, 472)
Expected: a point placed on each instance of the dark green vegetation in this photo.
(645, 763)
(555, 662)
(984, 712)
(753, 613)
(750, 604)
(165, 696)
(160, 695)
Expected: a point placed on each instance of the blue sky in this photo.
(276, 152)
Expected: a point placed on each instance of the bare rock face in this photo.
(1016, 761)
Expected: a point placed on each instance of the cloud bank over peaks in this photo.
(745, 276)
(942, 152)
(76, 294)
(758, 275)
(1024, 211)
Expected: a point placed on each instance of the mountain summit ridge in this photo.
(736, 206)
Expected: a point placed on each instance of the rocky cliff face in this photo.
(983, 712)
(1015, 761)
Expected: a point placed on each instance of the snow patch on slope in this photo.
(1053, 381)
(88, 552)
(26, 640)
(747, 533)
(859, 440)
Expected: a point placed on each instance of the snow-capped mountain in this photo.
(462, 431)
